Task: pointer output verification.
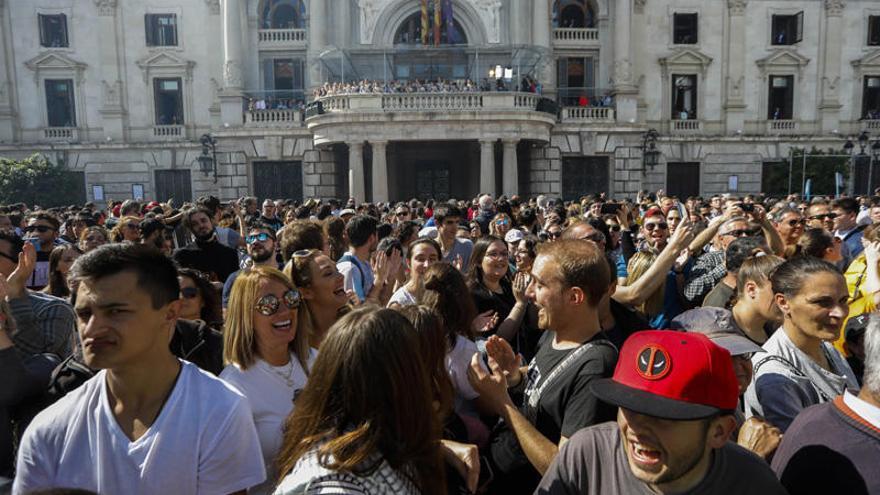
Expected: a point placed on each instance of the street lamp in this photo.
(208, 159)
(875, 156)
(650, 153)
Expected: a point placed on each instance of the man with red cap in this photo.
(677, 393)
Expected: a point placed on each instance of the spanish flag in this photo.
(424, 22)
(438, 21)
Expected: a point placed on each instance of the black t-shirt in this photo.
(502, 303)
(565, 406)
(594, 461)
(626, 322)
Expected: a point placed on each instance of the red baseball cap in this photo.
(671, 375)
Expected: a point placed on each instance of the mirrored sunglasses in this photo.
(262, 237)
(269, 304)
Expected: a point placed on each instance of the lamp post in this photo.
(875, 156)
(848, 150)
(208, 159)
(650, 153)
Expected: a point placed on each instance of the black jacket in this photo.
(199, 344)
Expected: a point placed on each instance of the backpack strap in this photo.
(573, 357)
(354, 261)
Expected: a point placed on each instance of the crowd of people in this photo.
(510, 345)
(365, 86)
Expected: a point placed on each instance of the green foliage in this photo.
(820, 168)
(35, 180)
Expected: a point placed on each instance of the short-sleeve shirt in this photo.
(358, 275)
(594, 461)
(202, 441)
(564, 407)
(463, 248)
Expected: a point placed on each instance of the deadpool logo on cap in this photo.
(653, 362)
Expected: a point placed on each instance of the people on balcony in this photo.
(365, 86)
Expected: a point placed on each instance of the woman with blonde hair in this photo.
(500, 225)
(365, 421)
(126, 230)
(267, 357)
(323, 293)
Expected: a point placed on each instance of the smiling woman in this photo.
(268, 360)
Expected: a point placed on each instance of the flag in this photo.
(438, 21)
(424, 22)
(449, 22)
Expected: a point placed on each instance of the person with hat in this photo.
(677, 393)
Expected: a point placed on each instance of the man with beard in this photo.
(569, 278)
(152, 233)
(676, 393)
(206, 254)
(261, 242)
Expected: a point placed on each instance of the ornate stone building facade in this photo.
(122, 91)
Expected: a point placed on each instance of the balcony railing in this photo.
(269, 39)
(686, 126)
(587, 114)
(168, 132)
(273, 118)
(429, 102)
(60, 134)
(575, 36)
(776, 126)
(871, 125)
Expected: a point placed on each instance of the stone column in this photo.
(829, 105)
(487, 167)
(231, 109)
(356, 187)
(317, 34)
(511, 177)
(542, 39)
(734, 103)
(7, 111)
(380, 171)
(625, 90)
(112, 109)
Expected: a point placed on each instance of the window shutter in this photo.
(148, 28)
(44, 38)
(799, 27)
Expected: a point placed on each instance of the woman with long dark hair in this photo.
(365, 419)
(200, 299)
(60, 260)
(800, 367)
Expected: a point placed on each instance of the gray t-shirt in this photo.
(593, 461)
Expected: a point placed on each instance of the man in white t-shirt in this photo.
(147, 422)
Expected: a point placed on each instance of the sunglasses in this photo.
(658, 225)
(825, 216)
(268, 305)
(792, 223)
(500, 223)
(742, 233)
(402, 213)
(189, 292)
(554, 235)
(303, 253)
(614, 228)
(39, 228)
(262, 237)
(133, 226)
(596, 237)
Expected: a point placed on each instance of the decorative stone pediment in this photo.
(871, 60)
(784, 59)
(57, 64)
(165, 63)
(687, 60)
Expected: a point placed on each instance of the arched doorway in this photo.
(283, 14)
(410, 33)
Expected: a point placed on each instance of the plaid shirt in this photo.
(707, 271)
(44, 324)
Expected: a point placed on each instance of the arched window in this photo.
(410, 33)
(574, 14)
(283, 14)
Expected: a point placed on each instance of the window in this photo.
(684, 97)
(283, 14)
(874, 30)
(410, 32)
(871, 98)
(685, 30)
(283, 78)
(576, 78)
(60, 103)
(53, 30)
(168, 94)
(577, 14)
(161, 29)
(781, 98)
(787, 29)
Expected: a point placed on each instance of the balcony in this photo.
(870, 125)
(686, 126)
(782, 126)
(60, 134)
(273, 118)
(578, 115)
(168, 132)
(575, 37)
(281, 39)
(452, 116)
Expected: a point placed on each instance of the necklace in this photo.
(286, 375)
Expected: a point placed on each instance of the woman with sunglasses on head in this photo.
(200, 300)
(267, 357)
(800, 367)
(365, 422)
(323, 293)
(422, 254)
